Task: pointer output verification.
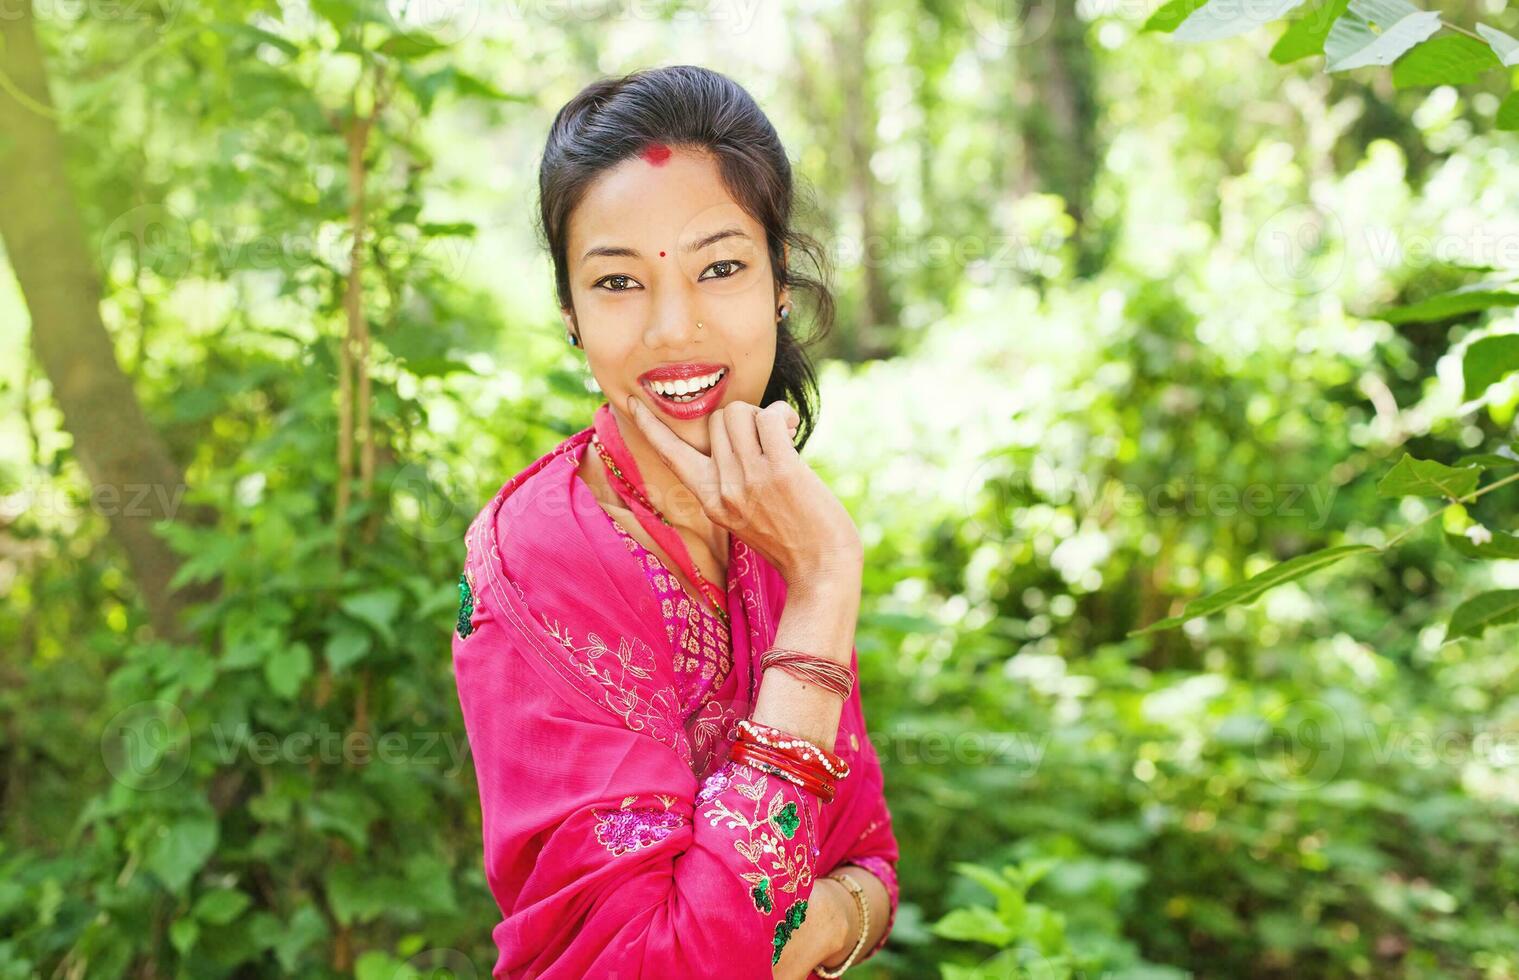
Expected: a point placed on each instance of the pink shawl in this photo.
(618, 839)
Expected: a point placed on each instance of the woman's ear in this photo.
(568, 316)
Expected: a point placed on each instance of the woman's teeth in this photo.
(687, 389)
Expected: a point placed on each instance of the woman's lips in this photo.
(704, 403)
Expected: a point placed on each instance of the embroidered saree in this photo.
(599, 701)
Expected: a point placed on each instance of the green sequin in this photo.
(786, 821)
(761, 895)
(795, 916)
(466, 607)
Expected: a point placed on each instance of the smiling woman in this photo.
(674, 775)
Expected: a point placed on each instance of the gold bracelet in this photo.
(859, 900)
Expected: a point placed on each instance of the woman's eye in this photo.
(733, 264)
(624, 280)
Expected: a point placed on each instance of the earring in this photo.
(574, 341)
(785, 312)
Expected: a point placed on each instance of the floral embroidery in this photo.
(631, 828)
(795, 916)
(774, 865)
(787, 821)
(761, 895)
(619, 673)
(466, 607)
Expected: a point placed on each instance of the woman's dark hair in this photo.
(614, 119)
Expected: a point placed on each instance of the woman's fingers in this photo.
(689, 465)
(777, 427)
(742, 433)
(728, 472)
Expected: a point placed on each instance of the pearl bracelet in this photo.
(808, 749)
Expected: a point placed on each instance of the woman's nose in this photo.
(673, 324)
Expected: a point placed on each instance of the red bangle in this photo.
(803, 751)
(741, 753)
(761, 758)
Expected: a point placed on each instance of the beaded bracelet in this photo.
(803, 751)
(830, 675)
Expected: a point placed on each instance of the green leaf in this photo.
(1488, 361)
(1489, 461)
(1474, 616)
(1468, 299)
(1254, 587)
(1426, 478)
(1504, 46)
(221, 906)
(1503, 545)
(342, 812)
(1305, 36)
(975, 924)
(1453, 59)
(183, 935)
(410, 46)
(1170, 16)
(1219, 19)
(287, 668)
(376, 608)
(1508, 112)
(346, 646)
(1376, 32)
(179, 850)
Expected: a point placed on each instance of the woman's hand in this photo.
(756, 485)
(823, 934)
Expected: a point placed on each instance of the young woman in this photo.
(655, 646)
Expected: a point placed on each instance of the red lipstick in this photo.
(705, 402)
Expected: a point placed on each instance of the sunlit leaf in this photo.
(1458, 302)
(1454, 59)
(1479, 613)
(1488, 361)
(1376, 32)
(1503, 545)
(1412, 477)
(1253, 588)
(1305, 36)
(1219, 19)
(1504, 46)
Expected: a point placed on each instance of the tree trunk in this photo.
(134, 481)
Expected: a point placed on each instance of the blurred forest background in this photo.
(1123, 321)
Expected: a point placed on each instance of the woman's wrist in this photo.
(847, 923)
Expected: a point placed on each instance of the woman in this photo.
(656, 801)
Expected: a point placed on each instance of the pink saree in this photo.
(619, 841)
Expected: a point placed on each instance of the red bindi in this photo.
(656, 154)
(661, 254)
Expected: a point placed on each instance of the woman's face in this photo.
(655, 247)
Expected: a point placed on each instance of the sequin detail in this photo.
(631, 828)
(787, 821)
(796, 914)
(466, 607)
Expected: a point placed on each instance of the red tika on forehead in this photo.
(656, 154)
